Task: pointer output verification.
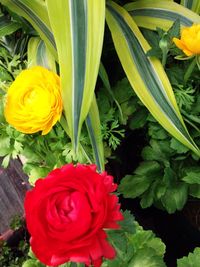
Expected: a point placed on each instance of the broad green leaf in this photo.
(30, 263)
(175, 197)
(35, 11)
(138, 119)
(158, 150)
(146, 257)
(39, 54)
(193, 176)
(128, 224)
(152, 14)
(194, 5)
(147, 239)
(78, 28)
(4, 146)
(7, 26)
(146, 75)
(192, 260)
(94, 130)
(147, 168)
(132, 186)
(176, 145)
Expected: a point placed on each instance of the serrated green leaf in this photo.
(157, 132)
(127, 225)
(147, 168)
(192, 260)
(159, 150)
(138, 119)
(5, 161)
(147, 198)
(132, 186)
(170, 177)
(35, 172)
(30, 263)
(147, 239)
(4, 146)
(175, 197)
(146, 258)
(179, 147)
(192, 177)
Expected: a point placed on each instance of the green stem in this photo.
(191, 117)
(189, 71)
(164, 59)
(64, 125)
(192, 124)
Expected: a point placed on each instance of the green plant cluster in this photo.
(169, 172)
(15, 256)
(135, 246)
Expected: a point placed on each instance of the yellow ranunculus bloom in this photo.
(34, 101)
(190, 40)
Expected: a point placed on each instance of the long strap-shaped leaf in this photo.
(146, 75)
(93, 124)
(194, 5)
(35, 12)
(78, 28)
(38, 54)
(151, 14)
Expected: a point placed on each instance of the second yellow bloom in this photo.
(189, 42)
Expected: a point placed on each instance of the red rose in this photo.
(67, 213)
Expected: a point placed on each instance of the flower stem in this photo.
(164, 59)
(189, 71)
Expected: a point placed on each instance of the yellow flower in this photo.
(34, 101)
(190, 40)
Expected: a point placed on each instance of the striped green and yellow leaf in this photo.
(37, 14)
(39, 54)
(194, 5)
(78, 28)
(146, 75)
(94, 130)
(34, 11)
(152, 14)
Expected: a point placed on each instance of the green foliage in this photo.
(13, 258)
(169, 172)
(162, 42)
(114, 116)
(16, 222)
(134, 246)
(192, 260)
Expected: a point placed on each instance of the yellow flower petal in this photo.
(34, 101)
(190, 40)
